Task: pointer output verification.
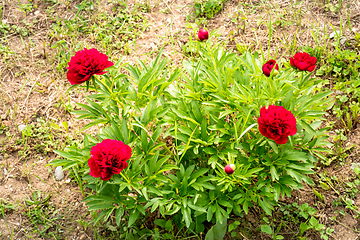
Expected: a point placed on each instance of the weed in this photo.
(45, 220)
(5, 207)
(208, 8)
(43, 137)
(113, 31)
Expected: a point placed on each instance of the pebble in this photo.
(338, 92)
(152, 45)
(59, 174)
(21, 127)
(5, 171)
(354, 165)
(1, 157)
(335, 33)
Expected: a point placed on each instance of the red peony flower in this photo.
(86, 63)
(203, 35)
(303, 61)
(229, 169)
(108, 158)
(268, 66)
(277, 123)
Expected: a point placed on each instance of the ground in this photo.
(37, 39)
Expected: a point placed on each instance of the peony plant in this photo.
(166, 134)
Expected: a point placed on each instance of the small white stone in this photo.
(59, 174)
(21, 127)
(5, 171)
(333, 34)
(68, 180)
(342, 40)
(152, 45)
(354, 165)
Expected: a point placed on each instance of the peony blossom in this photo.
(303, 61)
(108, 158)
(86, 63)
(277, 123)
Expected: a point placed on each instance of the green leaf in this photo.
(273, 146)
(212, 161)
(186, 216)
(196, 207)
(134, 215)
(218, 231)
(319, 195)
(101, 206)
(324, 185)
(266, 229)
(118, 214)
(274, 174)
(265, 206)
(223, 114)
(160, 222)
(169, 225)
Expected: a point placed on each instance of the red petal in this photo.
(281, 140)
(302, 66)
(311, 68)
(94, 168)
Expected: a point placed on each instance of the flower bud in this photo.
(229, 169)
(203, 35)
(268, 67)
(275, 72)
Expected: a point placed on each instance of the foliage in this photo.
(208, 8)
(343, 66)
(43, 217)
(184, 126)
(43, 137)
(114, 30)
